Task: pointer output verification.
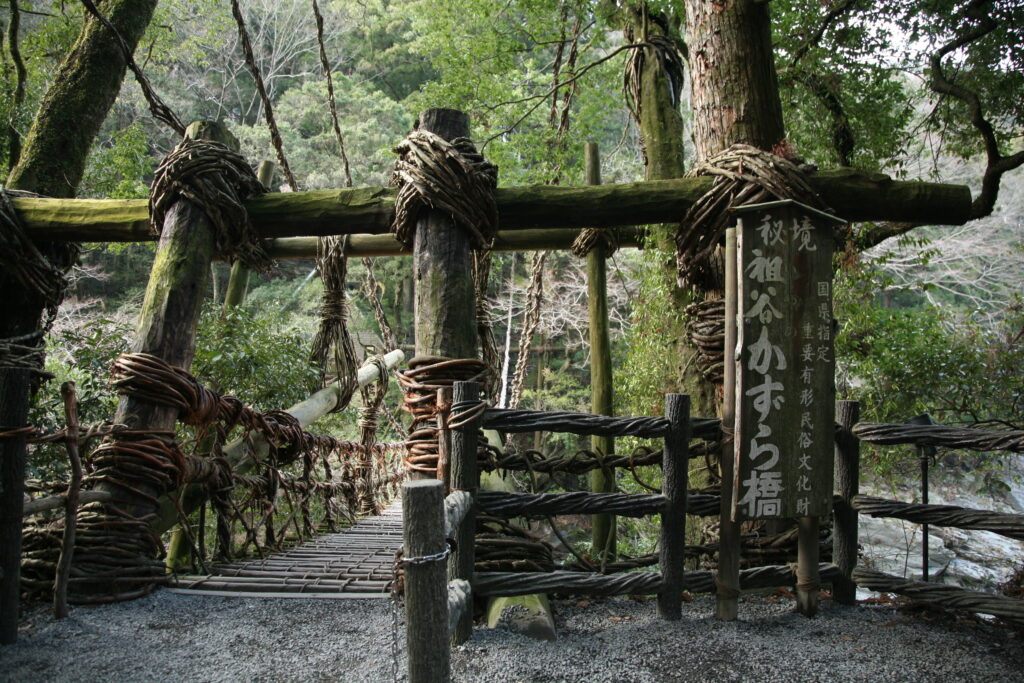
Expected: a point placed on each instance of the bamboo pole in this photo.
(728, 578)
(426, 588)
(844, 532)
(603, 537)
(387, 245)
(808, 581)
(854, 196)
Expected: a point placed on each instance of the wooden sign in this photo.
(785, 362)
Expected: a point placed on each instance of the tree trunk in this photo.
(661, 134)
(76, 104)
(734, 87)
(51, 163)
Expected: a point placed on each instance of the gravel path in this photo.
(168, 637)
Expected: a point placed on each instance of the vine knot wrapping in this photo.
(24, 262)
(217, 179)
(743, 175)
(432, 172)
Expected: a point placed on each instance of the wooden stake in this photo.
(729, 531)
(426, 587)
(603, 526)
(13, 415)
(675, 469)
(60, 584)
(844, 531)
(808, 580)
(464, 477)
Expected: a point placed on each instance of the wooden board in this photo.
(785, 362)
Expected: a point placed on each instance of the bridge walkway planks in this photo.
(354, 563)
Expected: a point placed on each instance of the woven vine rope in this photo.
(743, 175)
(453, 177)
(24, 262)
(217, 179)
(333, 340)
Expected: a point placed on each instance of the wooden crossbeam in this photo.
(852, 195)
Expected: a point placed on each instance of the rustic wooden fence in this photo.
(927, 438)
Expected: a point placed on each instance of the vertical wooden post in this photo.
(465, 476)
(167, 324)
(426, 588)
(726, 603)
(238, 282)
(924, 455)
(603, 525)
(844, 529)
(13, 415)
(445, 298)
(67, 550)
(443, 267)
(675, 481)
(808, 581)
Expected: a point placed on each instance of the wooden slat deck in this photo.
(354, 563)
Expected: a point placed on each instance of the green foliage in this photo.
(648, 365)
(901, 362)
(81, 355)
(116, 168)
(252, 356)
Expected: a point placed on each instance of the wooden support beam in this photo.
(674, 485)
(13, 415)
(386, 245)
(728, 576)
(853, 195)
(847, 486)
(465, 478)
(603, 537)
(443, 266)
(166, 329)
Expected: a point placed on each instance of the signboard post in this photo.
(785, 371)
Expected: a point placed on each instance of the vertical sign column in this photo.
(785, 362)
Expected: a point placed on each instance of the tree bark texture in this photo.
(443, 267)
(83, 90)
(734, 87)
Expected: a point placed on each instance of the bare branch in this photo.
(942, 85)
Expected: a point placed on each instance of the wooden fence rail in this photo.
(922, 434)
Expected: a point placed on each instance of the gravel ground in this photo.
(193, 638)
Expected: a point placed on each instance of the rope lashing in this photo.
(453, 177)
(217, 179)
(484, 321)
(419, 387)
(743, 175)
(25, 263)
(333, 339)
(670, 62)
(589, 238)
(705, 329)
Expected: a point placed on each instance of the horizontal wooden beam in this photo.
(386, 245)
(853, 195)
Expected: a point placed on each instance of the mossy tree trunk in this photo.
(661, 134)
(51, 163)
